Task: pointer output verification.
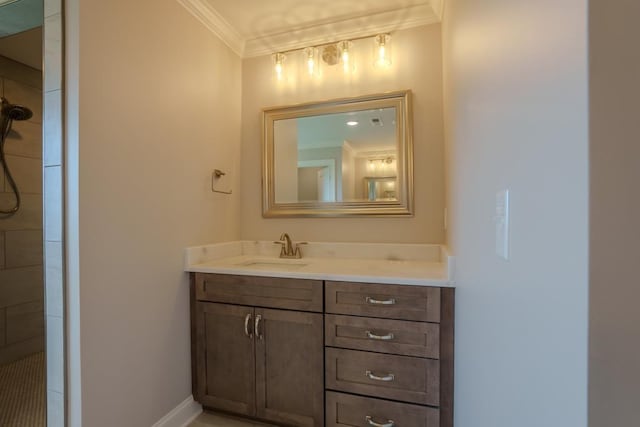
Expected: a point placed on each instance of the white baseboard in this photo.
(181, 415)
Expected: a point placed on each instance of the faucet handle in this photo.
(298, 252)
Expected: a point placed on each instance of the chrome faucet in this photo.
(287, 251)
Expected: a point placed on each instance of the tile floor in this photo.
(22, 394)
(217, 420)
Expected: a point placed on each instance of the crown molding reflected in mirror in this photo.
(339, 158)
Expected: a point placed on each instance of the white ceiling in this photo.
(20, 15)
(331, 130)
(258, 27)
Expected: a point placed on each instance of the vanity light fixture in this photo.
(352, 123)
(334, 53)
(382, 51)
(387, 160)
(279, 58)
(384, 166)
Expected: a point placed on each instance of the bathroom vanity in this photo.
(311, 342)
(259, 347)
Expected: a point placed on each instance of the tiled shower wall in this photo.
(53, 155)
(21, 275)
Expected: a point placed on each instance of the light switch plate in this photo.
(502, 224)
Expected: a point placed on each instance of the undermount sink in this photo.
(273, 263)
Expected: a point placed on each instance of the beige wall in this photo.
(614, 327)
(153, 106)
(516, 114)
(361, 167)
(348, 170)
(21, 284)
(24, 47)
(417, 66)
(286, 160)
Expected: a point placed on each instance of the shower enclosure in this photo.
(22, 325)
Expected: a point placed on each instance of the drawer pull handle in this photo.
(247, 332)
(372, 423)
(387, 337)
(386, 378)
(256, 327)
(390, 301)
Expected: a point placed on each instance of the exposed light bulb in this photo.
(383, 54)
(311, 64)
(310, 54)
(346, 55)
(279, 59)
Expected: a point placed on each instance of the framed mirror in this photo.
(344, 157)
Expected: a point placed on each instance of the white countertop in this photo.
(404, 264)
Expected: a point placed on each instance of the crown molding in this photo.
(323, 33)
(350, 28)
(346, 145)
(215, 23)
(438, 8)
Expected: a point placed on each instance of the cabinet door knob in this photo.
(390, 301)
(386, 378)
(247, 321)
(372, 423)
(256, 327)
(387, 337)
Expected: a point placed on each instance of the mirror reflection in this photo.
(338, 157)
(342, 157)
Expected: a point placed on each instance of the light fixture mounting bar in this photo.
(318, 46)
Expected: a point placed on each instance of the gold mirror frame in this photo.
(403, 207)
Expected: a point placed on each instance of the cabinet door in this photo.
(225, 365)
(289, 367)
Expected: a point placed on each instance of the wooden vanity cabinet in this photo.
(304, 352)
(392, 342)
(257, 361)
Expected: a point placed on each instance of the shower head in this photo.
(15, 112)
(18, 112)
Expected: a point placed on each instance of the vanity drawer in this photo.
(344, 410)
(409, 379)
(271, 292)
(383, 335)
(388, 301)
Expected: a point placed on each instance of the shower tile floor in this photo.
(22, 394)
